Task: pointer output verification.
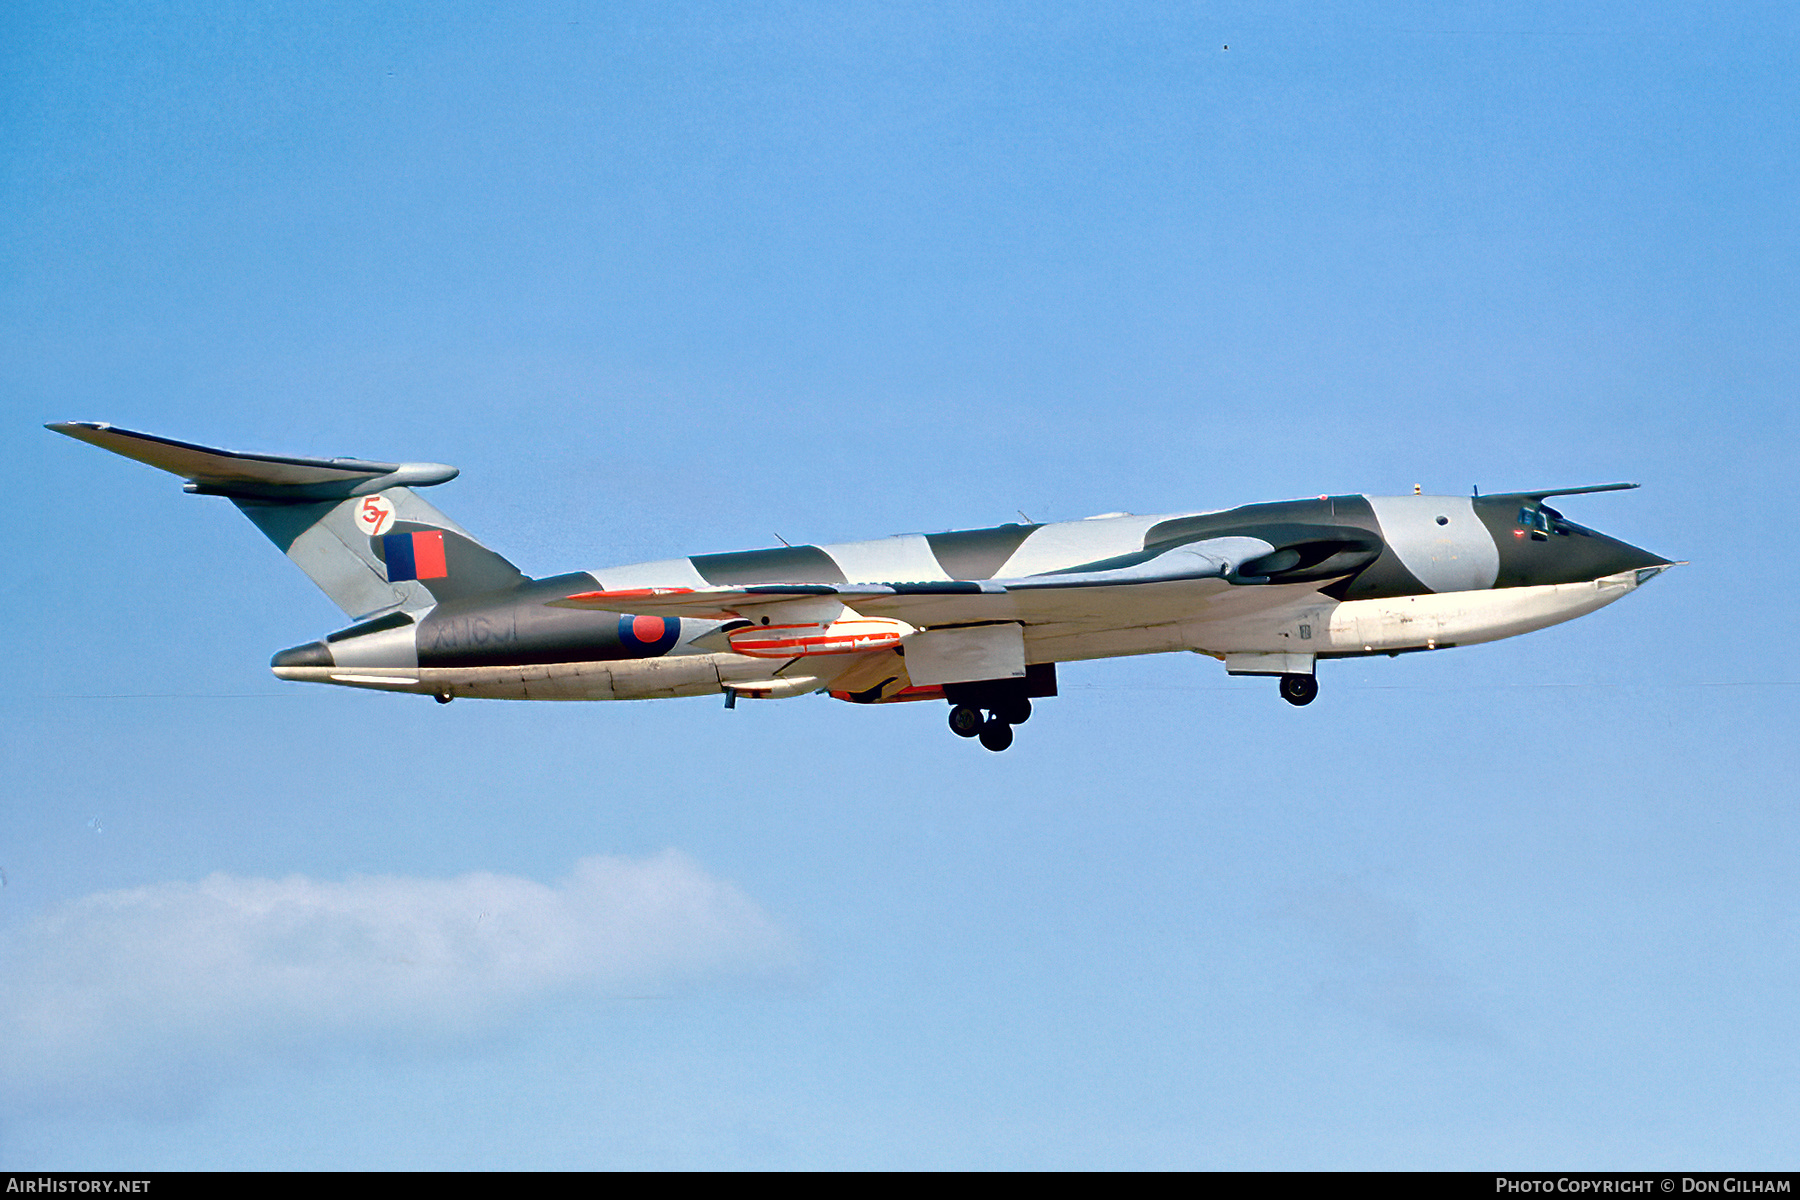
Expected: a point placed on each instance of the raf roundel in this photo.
(375, 515)
(649, 635)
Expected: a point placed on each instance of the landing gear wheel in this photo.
(443, 697)
(1299, 689)
(996, 735)
(965, 721)
(1013, 712)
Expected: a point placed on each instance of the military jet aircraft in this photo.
(976, 617)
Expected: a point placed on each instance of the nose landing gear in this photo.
(1299, 689)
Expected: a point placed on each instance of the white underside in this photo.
(1237, 625)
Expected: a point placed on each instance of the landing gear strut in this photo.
(1299, 689)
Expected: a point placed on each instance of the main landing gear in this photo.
(1299, 689)
(989, 708)
(995, 730)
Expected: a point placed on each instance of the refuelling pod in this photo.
(852, 635)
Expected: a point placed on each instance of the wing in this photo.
(1144, 584)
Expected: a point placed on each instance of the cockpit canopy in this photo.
(1536, 520)
(1540, 520)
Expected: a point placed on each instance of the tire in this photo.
(996, 735)
(1014, 712)
(1299, 689)
(965, 721)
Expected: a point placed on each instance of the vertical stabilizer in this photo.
(356, 527)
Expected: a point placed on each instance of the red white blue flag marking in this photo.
(414, 555)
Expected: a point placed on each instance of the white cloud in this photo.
(153, 995)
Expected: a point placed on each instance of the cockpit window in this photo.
(1544, 520)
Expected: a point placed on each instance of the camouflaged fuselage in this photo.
(1341, 575)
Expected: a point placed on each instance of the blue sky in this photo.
(667, 279)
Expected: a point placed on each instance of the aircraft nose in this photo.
(1560, 551)
(1578, 553)
(1623, 556)
(1646, 574)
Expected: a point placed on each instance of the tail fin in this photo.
(355, 527)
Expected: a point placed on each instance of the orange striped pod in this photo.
(853, 635)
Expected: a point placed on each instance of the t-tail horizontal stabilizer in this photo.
(354, 526)
(275, 478)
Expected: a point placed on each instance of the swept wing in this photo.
(1084, 593)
